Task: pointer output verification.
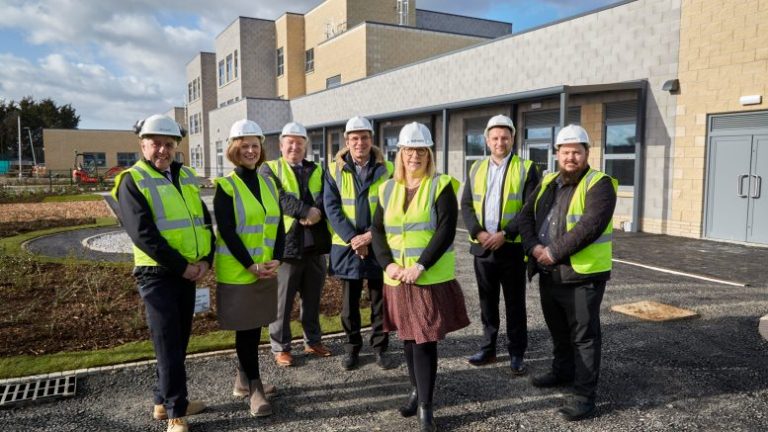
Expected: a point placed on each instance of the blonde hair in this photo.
(399, 174)
(233, 152)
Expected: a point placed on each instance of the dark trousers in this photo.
(170, 304)
(247, 348)
(307, 278)
(503, 271)
(572, 313)
(350, 315)
(422, 368)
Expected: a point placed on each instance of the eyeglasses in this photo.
(410, 151)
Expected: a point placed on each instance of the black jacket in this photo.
(298, 208)
(598, 212)
(472, 220)
(344, 263)
(136, 217)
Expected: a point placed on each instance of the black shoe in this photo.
(549, 380)
(517, 366)
(426, 420)
(350, 361)
(409, 409)
(482, 358)
(384, 361)
(575, 410)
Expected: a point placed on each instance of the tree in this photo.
(36, 116)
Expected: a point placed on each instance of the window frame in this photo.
(280, 61)
(309, 60)
(619, 121)
(330, 84)
(221, 73)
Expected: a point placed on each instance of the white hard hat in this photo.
(159, 124)
(572, 134)
(499, 121)
(358, 123)
(294, 129)
(244, 128)
(414, 135)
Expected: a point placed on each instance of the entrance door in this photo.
(737, 208)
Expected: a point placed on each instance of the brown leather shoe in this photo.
(317, 350)
(193, 407)
(240, 389)
(177, 425)
(284, 359)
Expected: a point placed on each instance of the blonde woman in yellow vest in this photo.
(161, 211)
(566, 231)
(493, 196)
(248, 249)
(413, 231)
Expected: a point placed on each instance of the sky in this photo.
(116, 61)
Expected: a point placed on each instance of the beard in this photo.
(571, 177)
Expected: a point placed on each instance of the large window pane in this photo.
(390, 136)
(621, 169)
(620, 138)
(539, 155)
(538, 133)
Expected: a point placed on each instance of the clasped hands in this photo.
(266, 270)
(359, 244)
(407, 275)
(542, 255)
(312, 218)
(196, 271)
(491, 241)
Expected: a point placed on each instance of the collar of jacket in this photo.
(344, 159)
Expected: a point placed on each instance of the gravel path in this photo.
(704, 374)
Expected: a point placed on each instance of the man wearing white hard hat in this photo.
(307, 241)
(161, 210)
(566, 231)
(496, 189)
(414, 227)
(351, 188)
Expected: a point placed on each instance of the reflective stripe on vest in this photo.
(287, 178)
(596, 257)
(409, 232)
(512, 191)
(345, 183)
(178, 215)
(256, 225)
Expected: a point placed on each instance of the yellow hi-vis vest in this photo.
(284, 173)
(256, 225)
(178, 216)
(346, 185)
(595, 258)
(511, 193)
(409, 232)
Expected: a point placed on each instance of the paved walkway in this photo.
(709, 373)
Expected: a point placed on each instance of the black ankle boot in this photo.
(409, 408)
(426, 421)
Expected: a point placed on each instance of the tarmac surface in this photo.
(704, 374)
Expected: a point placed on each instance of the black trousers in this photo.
(422, 368)
(247, 348)
(572, 313)
(170, 303)
(350, 315)
(500, 271)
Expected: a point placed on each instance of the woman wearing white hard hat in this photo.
(413, 231)
(248, 247)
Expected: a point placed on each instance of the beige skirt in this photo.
(245, 307)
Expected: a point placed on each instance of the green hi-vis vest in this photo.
(595, 258)
(256, 227)
(346, 185)
(284, 173)
(178, 216)
(409, 232)
(511, 193)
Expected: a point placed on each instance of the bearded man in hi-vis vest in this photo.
(566, 229)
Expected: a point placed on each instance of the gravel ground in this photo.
(703, 374)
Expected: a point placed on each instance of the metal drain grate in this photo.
(39, 389)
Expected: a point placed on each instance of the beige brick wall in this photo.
(343, 55)
(290, 36)
(383, 11)
(61, 144)
(329, 12)
(723, 55)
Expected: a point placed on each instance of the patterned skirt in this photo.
(424, 313)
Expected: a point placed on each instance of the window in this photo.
(280, 65)
(541, 127)
(195, 123)
(315, 152)
(620, 138)
(219, 159)
(390, 135)
(190, 94)
(198, 91)
(127, 159)
(474, 142)
(333, 81)
(95, 159)
(221, 73)
(309, 60)
(335, 144)
(230, 68)
(235, 63)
